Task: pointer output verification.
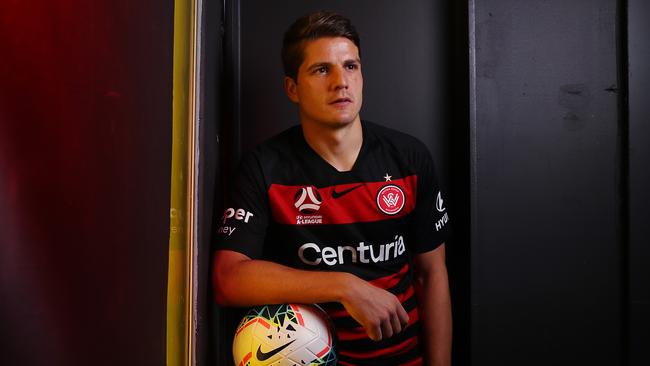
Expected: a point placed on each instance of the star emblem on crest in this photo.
(388, 177)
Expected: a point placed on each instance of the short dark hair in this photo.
(308, 28)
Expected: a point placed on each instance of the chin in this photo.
(342, 122)
(333, 121)
(346, 119)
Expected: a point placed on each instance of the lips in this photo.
(341, 101)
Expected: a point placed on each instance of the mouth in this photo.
(341, 101)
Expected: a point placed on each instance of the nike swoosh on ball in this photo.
(266, 355)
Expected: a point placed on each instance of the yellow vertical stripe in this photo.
(179, 286)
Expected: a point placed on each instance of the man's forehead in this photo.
(330, 47)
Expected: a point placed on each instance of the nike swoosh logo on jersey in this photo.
(262, 356)
(336, 194)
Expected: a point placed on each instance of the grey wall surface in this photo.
(639, 175)
(546, 221)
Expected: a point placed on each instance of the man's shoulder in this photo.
(274, 146)
(276, 152)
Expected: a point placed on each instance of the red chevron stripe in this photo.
(405, 346)
(358, 205)
(414, 316)
(416, 362)
(402, 297)
(392, 280)
(353, 334)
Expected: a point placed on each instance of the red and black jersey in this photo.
(290, 206)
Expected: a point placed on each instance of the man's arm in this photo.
(432, 291)
(241, 281)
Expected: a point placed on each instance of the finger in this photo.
(403, 316)
(374, 332)
(386, 328)
(395, 322)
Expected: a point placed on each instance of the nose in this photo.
(339, 78)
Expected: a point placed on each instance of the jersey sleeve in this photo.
(242, 226)
(431, 222)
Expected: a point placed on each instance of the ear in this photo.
(291, 88)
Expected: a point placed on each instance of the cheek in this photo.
(359, 83)
(308, 92)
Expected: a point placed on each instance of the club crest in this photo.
(391, 199)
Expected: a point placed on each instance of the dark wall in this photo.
(639, 180)
(551, 166)
(85, 145)
(547, 162)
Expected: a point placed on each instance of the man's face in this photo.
(329, 84)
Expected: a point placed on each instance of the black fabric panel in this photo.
(386, 361)
(639, 175)
(362, 344)
(546, 274)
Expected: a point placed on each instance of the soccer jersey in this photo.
(288, 205)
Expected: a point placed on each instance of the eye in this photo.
(321, 70)
(352, 66)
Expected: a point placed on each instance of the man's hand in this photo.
(377, 310)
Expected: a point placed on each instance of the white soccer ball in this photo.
(284, 335)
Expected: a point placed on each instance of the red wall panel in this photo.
(85, 148)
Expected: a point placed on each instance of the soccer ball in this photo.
(284, 335)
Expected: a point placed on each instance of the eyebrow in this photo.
(321, 64)
(317, 65)
(353, 60)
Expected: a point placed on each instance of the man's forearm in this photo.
(257, 282)
(432, 291)
(241, 281)
(435, 320)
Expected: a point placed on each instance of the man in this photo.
(340, 212)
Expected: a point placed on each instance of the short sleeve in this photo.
(242, 225)
(431, 220)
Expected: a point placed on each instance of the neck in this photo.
(339, 146)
